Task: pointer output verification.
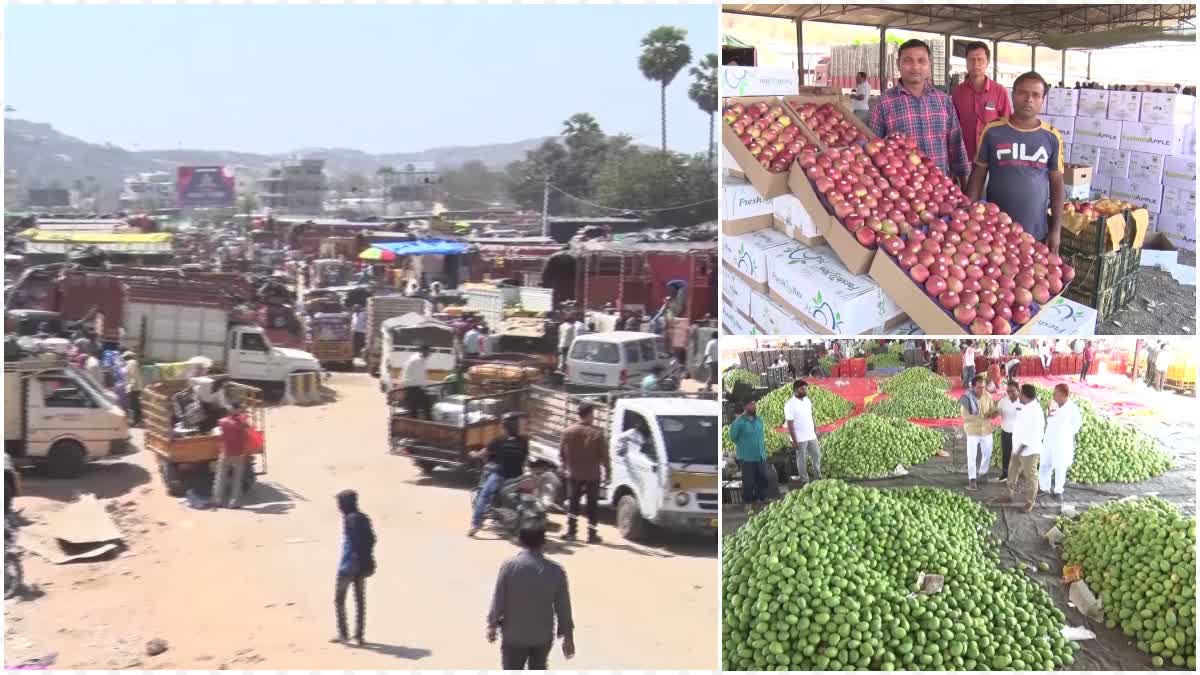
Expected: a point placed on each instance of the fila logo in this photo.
(1018, 151)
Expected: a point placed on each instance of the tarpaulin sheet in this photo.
(424, 247)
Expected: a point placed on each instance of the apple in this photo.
(1001, 326)
(907, 259)
(1002, 310)
(865, 236)
(964, 313)
(981, 327)
(985, 311)
(1041, 293)
(949, 299)
(919, 273)
(1022, 296)
(935, 285)
(1021, 314)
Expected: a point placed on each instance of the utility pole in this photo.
(546, 206)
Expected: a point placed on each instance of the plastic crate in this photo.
(1096, 274)
(1112, 300)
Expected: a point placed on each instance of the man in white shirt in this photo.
(471, 343)
(1162, 363)
(359, 324)
(91, 365)
(968, 366)
(1029, 429)
(132, 371)
(860, 100)
(413, 380)
(1010, 407)
(1063, 423)
(566, 335)
(580, 327)
(710, 360)
(798, 413)
(1046, 355)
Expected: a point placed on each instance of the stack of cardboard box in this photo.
(1142, 148)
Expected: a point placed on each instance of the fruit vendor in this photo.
(918, 110)
(799, 415)
(1021, 160)
(978, 410)
(1029, 429)
(748, 437)
(1009, 408)
(1063, 422)
(979, 100)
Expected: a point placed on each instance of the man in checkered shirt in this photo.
(925, 114)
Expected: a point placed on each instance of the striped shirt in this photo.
(929, 119)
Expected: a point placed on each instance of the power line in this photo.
(625, 210)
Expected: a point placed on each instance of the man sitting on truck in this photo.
(503, 460)
(586, 465)
(413, 379)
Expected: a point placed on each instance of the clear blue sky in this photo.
(374, 78)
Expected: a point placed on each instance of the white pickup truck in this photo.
(667, 477)
(56, 415)
(171, 333)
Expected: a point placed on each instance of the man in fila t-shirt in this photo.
(1021, 160)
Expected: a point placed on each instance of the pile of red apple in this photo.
(829, 123)
(768, 132)
(982, 268)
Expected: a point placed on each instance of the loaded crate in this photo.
(1095, 273)
(1107, 301)
(1096, 234)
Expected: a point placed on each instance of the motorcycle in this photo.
(14, 573)
(520, 502)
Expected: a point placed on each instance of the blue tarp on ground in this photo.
(424, 247)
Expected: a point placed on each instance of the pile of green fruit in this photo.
(916, 377)
(1107, 451)
(888, 359)
(870, 446)
(825, 579)
(732, 377)
(1139, 558)
(949, 347)
(827, 407)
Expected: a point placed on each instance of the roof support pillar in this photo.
(1089, 66)
(1033, 57)
(995, 60)
(946, 70)
(883, 74)
(1064, 68)
(800, 48)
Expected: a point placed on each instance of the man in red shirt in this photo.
(1089, 354)
(234, 432)
(978, 100)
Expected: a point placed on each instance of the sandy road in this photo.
(253, 588)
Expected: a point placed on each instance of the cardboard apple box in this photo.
(1101, 185)
(770, 317)
(825, 296)
(729, 166)
(1096, 132)
(1093, 103)
(1125, 106)
(749, 254)
(1065, 125)
(1087, 155)
(839, 101)
(757, 81)
(793, 219)
(735, 290)
(1179, 172)
(922, 309)
(1158, 251)
(1063, 102)
(1146, 166)
(1162, 139)
(734, 323)
(1145, 193)
(855, 256)
(1077, 174)
(742, 208)
(769, 185)
(1064, 317)
(1173, 109)
(1113, 163)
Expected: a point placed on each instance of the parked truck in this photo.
(668, 479)
(461, 424)
(55, 415)
(404, 336)
(380, 308)
(328, 337)
(175, 329)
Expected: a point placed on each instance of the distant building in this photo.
(12, 190)
(411, 182)
(148, 192)
(294, 187)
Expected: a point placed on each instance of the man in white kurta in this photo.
(1028, 432)
(1058, 445)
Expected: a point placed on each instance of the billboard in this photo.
(205, 186)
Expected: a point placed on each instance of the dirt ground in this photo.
(252, 588)
(1163, 306)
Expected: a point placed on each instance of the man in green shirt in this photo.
(749, 438)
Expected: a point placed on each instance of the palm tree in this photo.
(664, 54)
(704, 93)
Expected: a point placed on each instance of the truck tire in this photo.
(629, 519)
(66, 459)
(426, 467)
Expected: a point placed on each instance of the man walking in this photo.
(915, 108)
(1089, 354)
(472, 343)
(586, 464)
(133, 383)
(413, 379)
(235, 429)
(748, 437)
(566, 335)
(357, 563)
(1063, 423)
(968, 367)
(1021, 160)
(531, 596)
(1162, 363)
(1151, 356)
(1028, 431)
(978, 409)
(359, 323)
(860, 100)
(798, 414)
(1009, 407)
(979, 100)
(710, 360)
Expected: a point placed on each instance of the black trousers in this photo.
(417, 402)
(133, 403)
(344, 581)
(517, 658)
(1006, 451)
(575, 490)
(1087, 365)
(360, 343)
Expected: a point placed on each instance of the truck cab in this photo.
(55, 415)
(403, 336)
(662, 448)
(250, 357)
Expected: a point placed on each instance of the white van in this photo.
(616, 359)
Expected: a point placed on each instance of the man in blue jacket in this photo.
(357, 563)
(748, 436)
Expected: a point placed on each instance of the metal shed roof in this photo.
(1028, 24)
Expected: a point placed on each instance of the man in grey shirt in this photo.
(530, 592)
